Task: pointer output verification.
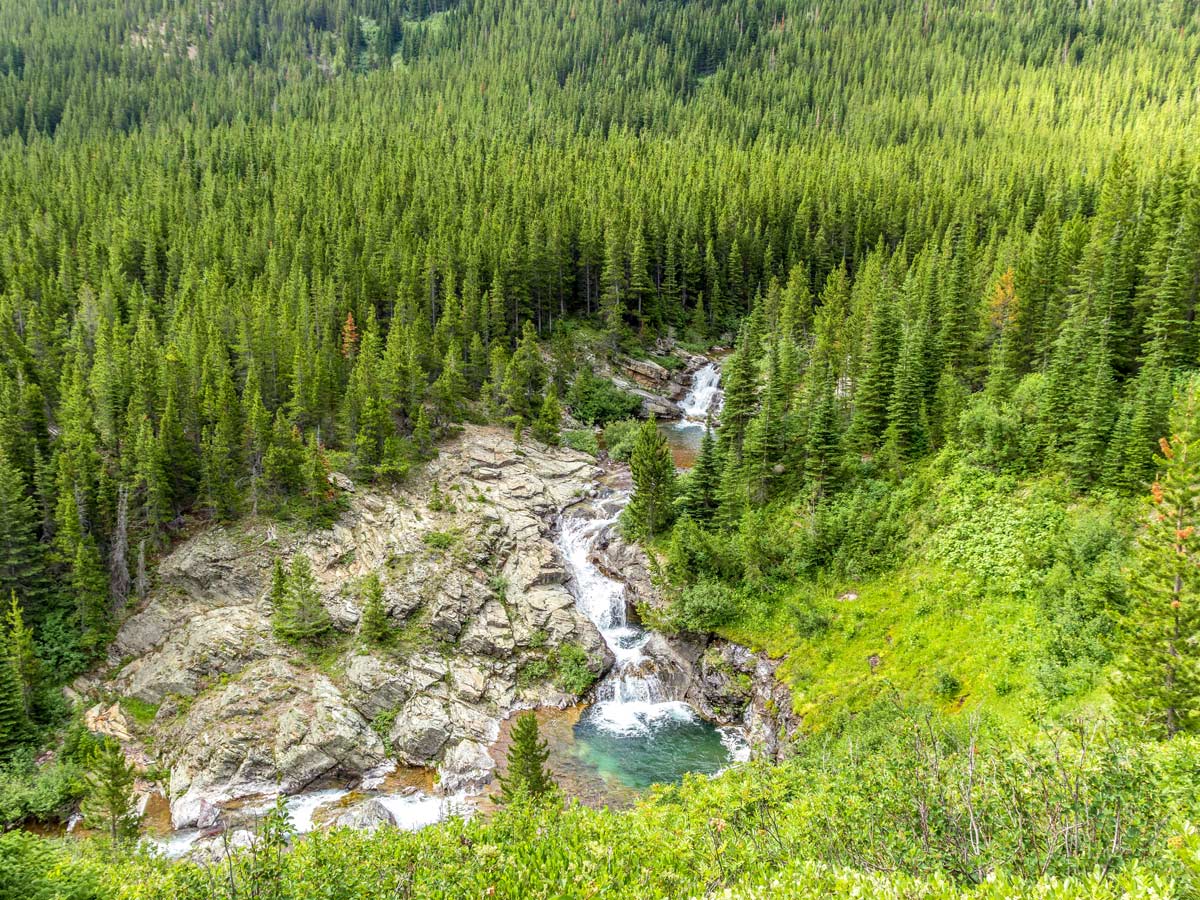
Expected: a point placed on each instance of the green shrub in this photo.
(809, 619)
(946, 686)
(533, 671)
(619, 438)
(43, 794)
(574, 673)
(383, 722)
(597, 401)
(439, 540)
(703, 606)
(582, 439)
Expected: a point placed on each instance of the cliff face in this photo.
(476, 596)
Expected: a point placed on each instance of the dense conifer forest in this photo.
(954, 245)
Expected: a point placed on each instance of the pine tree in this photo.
(525, 377)
(450, 389)
(741, 395)
(823, 443)
(874, 391)
(15, 727)
(907, 431)
(612, 290)
(547, 427)
(89, 584)
(526, 775)
(650, 508)
(302, 617)
(374, 628)
(1159, 685)
(277, 595)
(21, 649)
(110, 803)
(701, 497)
(22, 560)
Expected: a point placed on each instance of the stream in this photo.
(634, 733)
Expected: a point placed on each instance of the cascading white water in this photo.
(704, 394)
(630, 700)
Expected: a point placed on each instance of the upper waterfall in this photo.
(704, 395)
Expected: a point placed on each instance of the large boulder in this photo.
(366, 815)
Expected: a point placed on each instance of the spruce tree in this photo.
(547, 427)
(1158, 688)
(823, 441)
(21, 649)
(741, 395)
(701, 498)
(650, 508)
(89, 584)
(526, 775)
(302, 617)
(109, 803)
(374, 628)
(22, 561)
(15, 727)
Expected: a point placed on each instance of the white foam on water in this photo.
(301, 807)
(638, 718)
(704, 394)
(176, 844)
(415, 811)
(735, 742)
(631, 701)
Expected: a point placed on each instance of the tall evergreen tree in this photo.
(300, 616)
(110, 803)
(1159, 685)
(701, 496)
(526, 775)
(22, 560)
(651, 507)
(374, 628)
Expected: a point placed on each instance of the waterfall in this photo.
(704, 394)
(631, 699)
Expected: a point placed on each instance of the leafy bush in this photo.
(939, 812)
(383, 722)
(703, 606)
(809, 620)
(597, 401)
(574, 672)
(439, 540)
(946, 686)
(619, 438)
(582, 439)
(533, 671)
(35, 869)
(42, 794)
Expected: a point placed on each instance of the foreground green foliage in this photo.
(931, 807)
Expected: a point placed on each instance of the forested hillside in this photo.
(955, 243)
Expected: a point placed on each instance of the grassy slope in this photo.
(1004, 588)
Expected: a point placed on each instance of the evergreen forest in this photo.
(948, 254)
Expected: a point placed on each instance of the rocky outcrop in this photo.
(660, 389)
(475, 592)
(366, 815)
